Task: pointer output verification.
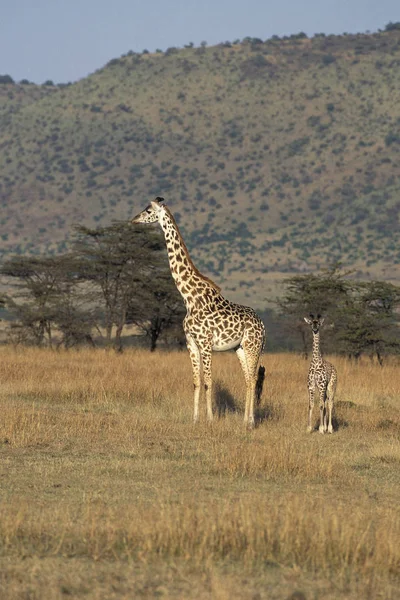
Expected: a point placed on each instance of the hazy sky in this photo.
(65, 40)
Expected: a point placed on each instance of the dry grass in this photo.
(107, 490)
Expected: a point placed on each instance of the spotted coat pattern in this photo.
(212, 322)
(323, 376)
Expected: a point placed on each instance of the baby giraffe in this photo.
(323, 375)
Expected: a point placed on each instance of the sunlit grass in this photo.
(101, 463)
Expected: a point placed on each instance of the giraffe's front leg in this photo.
(329, 427)
(195, 358)
(322, 410)
(311, 392)
(330, 396)
(206, 355)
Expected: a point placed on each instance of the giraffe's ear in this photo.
(159, 200)
(307, 320)
(155, 205)
(321, 320)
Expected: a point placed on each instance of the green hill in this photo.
(275, 157)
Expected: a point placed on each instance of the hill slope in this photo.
(275, 157)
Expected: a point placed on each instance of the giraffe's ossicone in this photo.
(323, 376)
(212, 322)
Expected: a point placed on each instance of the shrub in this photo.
(328, 59)
(6, 79)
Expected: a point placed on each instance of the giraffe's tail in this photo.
(260, 383)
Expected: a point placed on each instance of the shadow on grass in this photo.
(224, 400)
(338, 422)
(338, 419)
(225, 403)
(268, 412)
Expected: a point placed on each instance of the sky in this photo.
(65, 40)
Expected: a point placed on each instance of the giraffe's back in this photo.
(225, 323)
(322, 373)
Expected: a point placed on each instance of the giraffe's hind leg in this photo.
(240, 353)
(195, 358)
(322, 409)
(248, 354)
(330, 396)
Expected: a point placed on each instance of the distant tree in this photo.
(369, 323)
(157, 306)
(363, 316)
(48, 82)
(311, 294)
(114, 274)
(127, 270)
(4, 79)
(328, 59)
(113, 260)
(171, 50)
(45, 292)
(25, 82)
(392, 26)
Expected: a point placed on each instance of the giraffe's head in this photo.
(151, 213)
(315, 322)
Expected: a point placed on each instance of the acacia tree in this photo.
(113, 261)
(363, 316)
(112, 270)
(311, 293)
(370, 322)
(127, 268)
(157, 306)
(47, 299)
(41, 285)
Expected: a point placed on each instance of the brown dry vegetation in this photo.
(107, 490)
(275, 157)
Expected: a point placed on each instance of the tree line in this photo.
(119, 275)
(362, 317)
(112, 277)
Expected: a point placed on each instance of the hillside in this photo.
(275, 157)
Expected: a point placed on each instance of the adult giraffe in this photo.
(211, 322)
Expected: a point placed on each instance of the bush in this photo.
(328, 59)
(392, 26)
(6, 79)
(392, 138)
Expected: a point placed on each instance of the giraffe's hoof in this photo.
(330, 429)
(309, 428)
(321, 430)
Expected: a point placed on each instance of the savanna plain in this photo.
(107, 489)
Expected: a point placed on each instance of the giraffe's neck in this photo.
(187, 278)
(316, 352)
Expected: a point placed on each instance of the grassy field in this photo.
(107, 490)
